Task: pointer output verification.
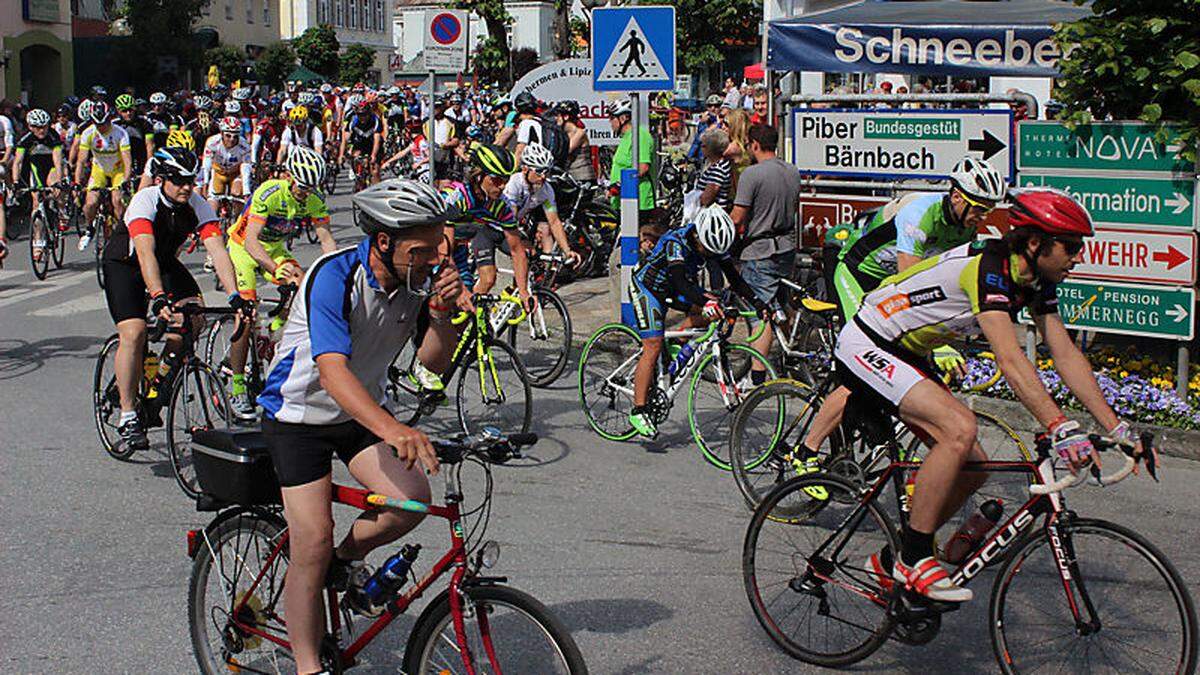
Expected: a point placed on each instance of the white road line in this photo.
(87, 303)
(39, 288)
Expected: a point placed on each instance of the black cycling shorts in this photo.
(303, 453)
(125, 291)
(485, 243)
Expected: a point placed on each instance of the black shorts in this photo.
(125, 290)
(303, 453)
(485, 243)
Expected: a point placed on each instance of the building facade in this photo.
(249, 25)
(532, 26)
(365, 22)
(36, 61)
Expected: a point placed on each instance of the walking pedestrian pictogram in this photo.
(633, 49)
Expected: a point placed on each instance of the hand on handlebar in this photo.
(161, 307)
(1072, 444)
(950, 361)
(412, 446)
(712, 310)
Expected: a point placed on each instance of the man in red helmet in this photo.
(974, 289)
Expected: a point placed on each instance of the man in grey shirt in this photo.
(764, 211)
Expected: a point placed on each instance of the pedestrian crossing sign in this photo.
(633, 48)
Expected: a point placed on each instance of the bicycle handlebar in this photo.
(1102, 443)
(161, 327)
(286, 291)
(489, 445)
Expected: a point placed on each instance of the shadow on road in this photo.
(616, 615)
(21, 357)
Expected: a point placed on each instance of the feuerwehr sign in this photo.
(571, 79)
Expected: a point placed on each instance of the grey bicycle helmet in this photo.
(537, 157)
(398, 204)
(978, 179)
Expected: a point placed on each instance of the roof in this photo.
(304, 75)
(948, 12)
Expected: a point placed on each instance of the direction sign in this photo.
(820, 212)
(1139, 255)
(1167, 202)
(1132, 310)
(446, 40)
(891, 143)
(633, 48)
(1115, 146)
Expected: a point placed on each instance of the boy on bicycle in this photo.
(667, 279)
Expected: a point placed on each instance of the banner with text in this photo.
(571, 79)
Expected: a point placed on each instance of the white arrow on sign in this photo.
(993, 231)
(1177, 312)
(1180, 202)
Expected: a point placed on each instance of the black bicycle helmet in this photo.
(525, 103)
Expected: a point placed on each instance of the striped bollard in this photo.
(628, 242)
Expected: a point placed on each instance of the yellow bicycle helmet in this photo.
(493, 160)
(181, 138)
(298, 114)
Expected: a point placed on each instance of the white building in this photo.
(365, 22)
(532, 26)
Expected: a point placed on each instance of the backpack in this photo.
(555, 139)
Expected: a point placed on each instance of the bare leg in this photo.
(309, 514)
(378, 468)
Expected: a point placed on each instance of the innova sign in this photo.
(976, 51)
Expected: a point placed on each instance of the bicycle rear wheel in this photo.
(714, 396)
(606, 368)
(505, 630)
(198, 402)
(106, 401)
(56, 237)
(543, 339)
(496, 395)
(222, 606)
(1134, 612)
(99, 241)
(39, 246)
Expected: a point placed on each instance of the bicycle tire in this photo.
(310, 233)
(602, 356)
(1021, 565)
(545, 358)
(98, 242)
(430, 632)
(756, 567)
(700, 431)
(492, 408)
(57, 238)
(106, 404)
(213, 655)
(39, 267)
(211, 393)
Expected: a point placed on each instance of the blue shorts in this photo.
(762, 276)
(649, 311)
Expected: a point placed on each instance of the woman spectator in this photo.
(716, 178)
(579, 154)
(737, 125)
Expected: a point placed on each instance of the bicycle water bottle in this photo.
(164, 371)
(390, 576)
(910, 486)
(150, 367)
(973, 532)
(681, 359)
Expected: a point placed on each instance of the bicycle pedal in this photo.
(915, 607)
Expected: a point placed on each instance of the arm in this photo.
(215, 246)
(255, 144)
(17, 160)
(143, 244)
(520, 262)
(254, 227)
(740, 286)
(1075, 370)
(81, 162)
(577, 138)
(324, 235)
(740, 216)
(677, 272)
(709, 195)
(503, 136)
(127, 160)
(905, 260)
(1022, 377)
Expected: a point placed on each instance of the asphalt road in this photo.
(635, 547)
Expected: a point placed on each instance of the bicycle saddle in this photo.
(817, 306)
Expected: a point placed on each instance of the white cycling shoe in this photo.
(929, 579)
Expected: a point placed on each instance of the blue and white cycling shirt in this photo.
(340, 308)
(672, 248)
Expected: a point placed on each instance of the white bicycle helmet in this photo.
(158, 98)
(398, 204)
(233, 107)
(241, 94)
(305, 166)
(978, 179)
(537, 157)
(37, 118)
(229, 125)
(203, 102)
(85, 111)
(306, 98)
(620, 106)
(714, 229)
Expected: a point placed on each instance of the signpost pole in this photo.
(1183, 358)
(630, 203)
(432, 135)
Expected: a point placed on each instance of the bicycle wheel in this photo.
(814, 362)
(224, 599)
(198, 401)
(106, 400)
(39, 246)
(543, 339)
(402, 388)
(1135, 614)
(496, 395)
(216, 347)
(767, 428)
(310, 233)
(98, 247)
(806, 576)
(713, 399)
(56, 237)
(505, 630)
(606, 380)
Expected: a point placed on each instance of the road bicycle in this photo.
(47, 219)
(1059, 589)
(189, 389)
(543, 337)
(476, 624)
(493, 388)
(102, 224)
(332, 169)
(606, 370)
(229, 208)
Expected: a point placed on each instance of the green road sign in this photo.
(1127, 201)
(1123, 308)
(1117, 146)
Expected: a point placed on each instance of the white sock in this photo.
(127, 416)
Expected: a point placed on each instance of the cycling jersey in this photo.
(938, 299)
(161, 123)
(223, 163)
(66, 132)
(497, 214)
(673, 248)
(523, 199)
(105, 147)
(362, 130)
(137, 128)
(311, 139)
(149, 212)
(279, 211)
(916, 224)
(39, 157)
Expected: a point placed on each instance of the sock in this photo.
(239, 384)
(806, 452)
(126, 417)
(915, 546)
(757, 377)
(886, 559)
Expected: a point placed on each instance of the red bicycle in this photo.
(475, 625)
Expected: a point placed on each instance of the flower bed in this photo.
(1138, 388)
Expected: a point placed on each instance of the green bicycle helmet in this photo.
(493, 160)
(124, 102)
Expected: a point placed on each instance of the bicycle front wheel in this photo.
(1125, 608)
(106, 400)
(494, 391)
(606, 368)
(236, 589)
(543, 339)
(39, 247)
(714, 396)
(505, 630)
(198, 402)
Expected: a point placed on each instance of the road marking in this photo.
(34, 290)
(87, 303)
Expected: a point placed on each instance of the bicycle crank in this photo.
(658, 405)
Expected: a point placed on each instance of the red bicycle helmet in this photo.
(1050, 211)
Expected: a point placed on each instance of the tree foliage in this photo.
(490, 61)
(523, 61)
(355, 62)
(228, 60)
(318, 49)
(160, 28)
(1134, 60)
(703, 27)
(581, 36)
(274, 64)
(492, 54)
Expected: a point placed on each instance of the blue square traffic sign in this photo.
(633, 48)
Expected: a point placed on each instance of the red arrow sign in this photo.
(1173, 257)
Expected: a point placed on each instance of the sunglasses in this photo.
(181, 181)
(983, 206)
(1071, 245)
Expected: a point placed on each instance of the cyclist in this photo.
(531, 196)
(899, 235)
(363, 133)
(529, 125)
(108, 147)
(226, 165)
(43, 167)
(142, 271)
(971, 290)
(667, 279)
(300, 132)
(264, 143)
(418, 147)
(138, 130)
(325, 395)
(162, 120)
(178, 138)
(258, 244)
(202, 128)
